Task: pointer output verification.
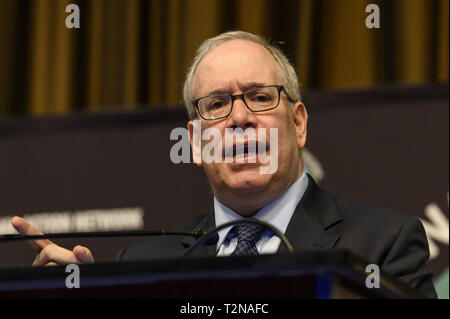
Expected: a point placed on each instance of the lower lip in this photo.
(252, 159)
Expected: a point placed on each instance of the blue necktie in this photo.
(248, 235)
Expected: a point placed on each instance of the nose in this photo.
(241, 116)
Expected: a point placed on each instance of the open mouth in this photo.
(245, 152)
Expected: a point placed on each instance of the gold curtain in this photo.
(134, 53)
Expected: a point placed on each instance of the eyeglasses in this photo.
(258, 99)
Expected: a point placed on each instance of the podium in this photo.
(309, 274)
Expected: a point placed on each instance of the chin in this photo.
(246, 183)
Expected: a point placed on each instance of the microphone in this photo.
(18, 237)
(203, 236)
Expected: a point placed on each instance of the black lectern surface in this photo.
(309, 274)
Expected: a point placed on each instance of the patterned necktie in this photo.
(248, 235)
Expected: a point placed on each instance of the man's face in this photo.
(234, 67)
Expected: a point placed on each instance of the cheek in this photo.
(217, 171)
(287, 149)
(287, 137)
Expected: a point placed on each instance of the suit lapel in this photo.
(315, 222)
(209, 247)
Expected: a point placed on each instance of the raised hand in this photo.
(48, 253)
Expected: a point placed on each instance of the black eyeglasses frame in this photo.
(280, 88)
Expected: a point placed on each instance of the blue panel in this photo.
(324, 286)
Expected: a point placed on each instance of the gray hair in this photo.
(287, 70)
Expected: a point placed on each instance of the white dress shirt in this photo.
(278, 213)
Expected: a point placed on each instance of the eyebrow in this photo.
(250, 85)
(243, 87)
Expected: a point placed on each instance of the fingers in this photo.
(55, 255)
(50, 254)
(50, 264)
(83, 254)
(25, 228)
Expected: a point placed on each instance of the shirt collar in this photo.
(277, 213)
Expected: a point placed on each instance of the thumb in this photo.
(83, 254)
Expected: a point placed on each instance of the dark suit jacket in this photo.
(394, 241)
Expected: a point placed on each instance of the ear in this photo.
(195, 131)
(300, 121)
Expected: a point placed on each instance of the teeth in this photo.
(241, 150)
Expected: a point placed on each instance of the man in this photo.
(240, 81)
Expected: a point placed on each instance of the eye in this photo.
(217, 103)
(261, 98)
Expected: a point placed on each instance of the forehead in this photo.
(233, 65)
